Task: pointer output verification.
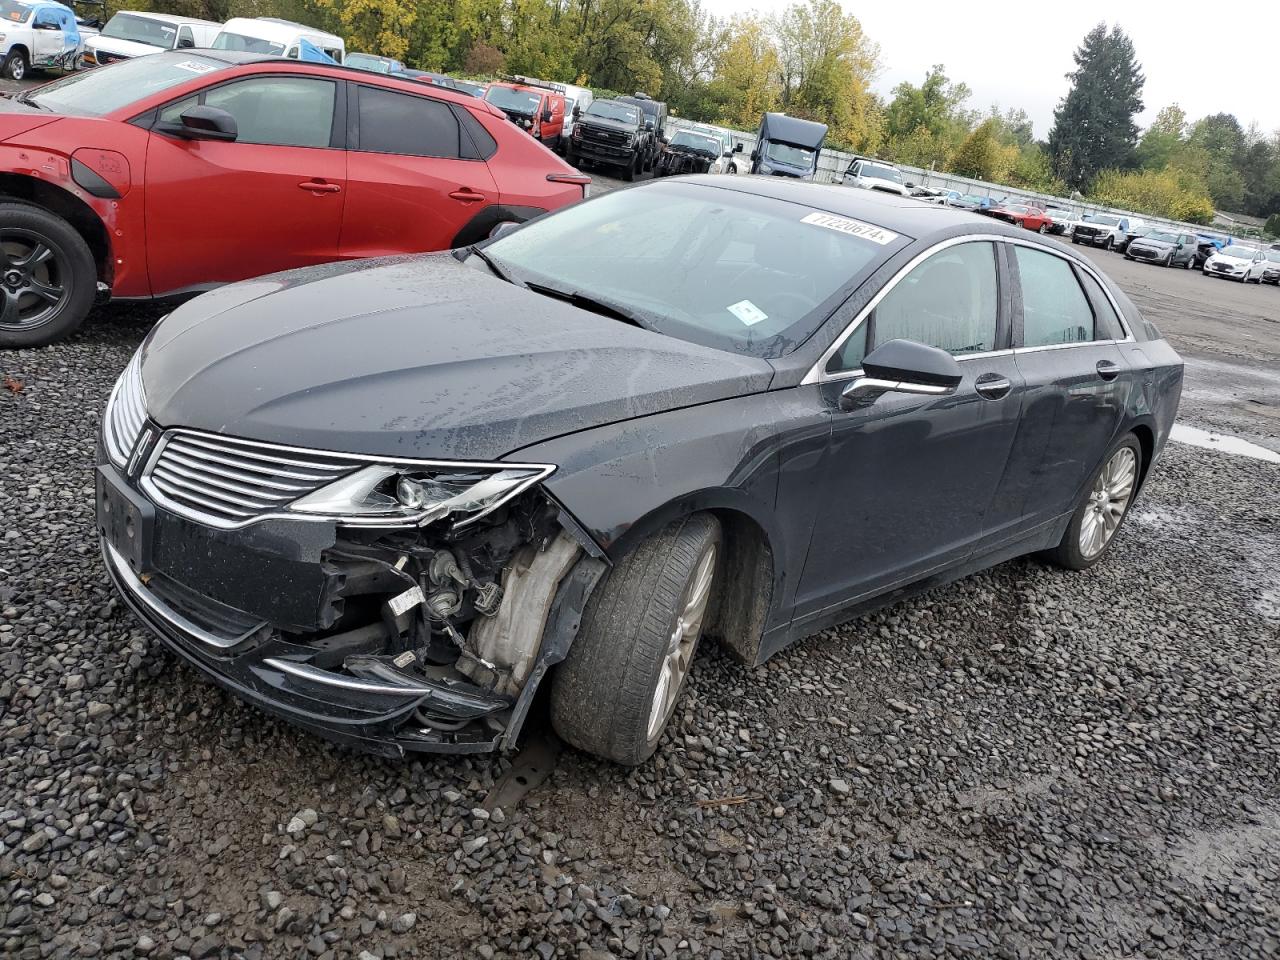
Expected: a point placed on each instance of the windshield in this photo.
(786, 153)
(367, 61)
(1017, 208)
(156, 33)
(518, 101)
(1240, 253)
(881, 173)
(1103, 220)
(614, 111)
(13, 12)
(730, 270)
(475, 89)
(697, 141)
(238, 41)
(1273, 256)
(1162, 236)
(96, 93)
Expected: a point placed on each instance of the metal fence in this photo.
(833, 163)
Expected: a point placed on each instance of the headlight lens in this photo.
(397, 495)
(125, 413)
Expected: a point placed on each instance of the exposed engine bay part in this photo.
(500, 650)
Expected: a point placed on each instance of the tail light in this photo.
(581, 179)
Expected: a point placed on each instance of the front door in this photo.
(271, 200)
(47, 38)
(411, 190)
(906, 483)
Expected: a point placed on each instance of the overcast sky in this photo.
(1016, 53)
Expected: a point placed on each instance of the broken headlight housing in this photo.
(384, 495)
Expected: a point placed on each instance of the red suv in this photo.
(181, 171)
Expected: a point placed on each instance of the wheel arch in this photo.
(1147, 442)
(746, 583)
(82, 217)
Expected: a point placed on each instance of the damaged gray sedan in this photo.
(391, 501)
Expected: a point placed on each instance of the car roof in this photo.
(904, 215)
(273, 28)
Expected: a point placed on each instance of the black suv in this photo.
(655, 119)
(611, 132)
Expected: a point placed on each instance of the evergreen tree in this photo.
(1093, 127)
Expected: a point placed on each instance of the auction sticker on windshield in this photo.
(747, 312)
(855, 228)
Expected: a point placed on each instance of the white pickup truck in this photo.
(38, 35)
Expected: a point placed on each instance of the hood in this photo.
(1228, 259)
(121, 48)
(17, 118)
(419, 357)
(605, 123)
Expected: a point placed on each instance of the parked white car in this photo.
(1246, 264)
(1104, 230)
(273, 37)
(135, 33)
(875, 175)
(41, 34)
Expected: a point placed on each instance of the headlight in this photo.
(577, 131)
(126, 412)
(405, 494)
(765, 168)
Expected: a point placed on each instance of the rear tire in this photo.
(16, 66)
(617, 689)
(48, 277)
(1101, 505)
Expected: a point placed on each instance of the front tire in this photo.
(1111, 244)
(16, 65)
(617, 689)
(1102, 512)
(47, 277)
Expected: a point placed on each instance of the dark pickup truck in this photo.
(612, 133)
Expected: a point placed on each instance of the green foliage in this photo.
(1272, 226)
(1093, 126)
(1163, 193)
(980, 156)
(924, 125)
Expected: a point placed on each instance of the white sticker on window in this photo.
(193, 66)
(855, 228)
(747, 312)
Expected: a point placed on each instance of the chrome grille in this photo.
(125, 414)
(228, 482)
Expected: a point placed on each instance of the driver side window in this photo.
(949, 301)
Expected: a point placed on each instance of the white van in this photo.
(277, 38)
(134, 33)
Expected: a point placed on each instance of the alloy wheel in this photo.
(33, 285)
(1108, 501)
(17, 69)
(683, 641)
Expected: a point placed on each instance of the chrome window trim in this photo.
(818, 374)
(543, 470)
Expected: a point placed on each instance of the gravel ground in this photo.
(1028, 763)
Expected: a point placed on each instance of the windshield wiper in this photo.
(587, 302)
(501, 272)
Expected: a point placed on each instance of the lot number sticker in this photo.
(747, 312)
(192, 66)
(855, 228)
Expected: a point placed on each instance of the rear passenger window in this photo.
(1054, 308)
(402, 123)
(1109, 326)
(948, 301)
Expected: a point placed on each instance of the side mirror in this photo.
(902, 366)
(648, 124)
(909, 185)
(502, 228)
(207, 123)
(738, 148)
(186, 43)
(546, 115)
(577, 111)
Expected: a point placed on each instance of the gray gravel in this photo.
(1028, 763)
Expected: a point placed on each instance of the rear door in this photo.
(416, 178)
(271, 200)
(1065, 337)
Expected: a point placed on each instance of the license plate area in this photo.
(125, 520)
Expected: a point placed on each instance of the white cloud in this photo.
(1017, 54)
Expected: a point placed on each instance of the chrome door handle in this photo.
(993, 386)
(1108, 370)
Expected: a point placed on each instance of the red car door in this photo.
(411, 186)
(270, 200)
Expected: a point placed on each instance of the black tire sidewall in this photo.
(73, 254)
(16, 56)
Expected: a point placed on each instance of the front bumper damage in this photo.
(343, 632)
(678, 162)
